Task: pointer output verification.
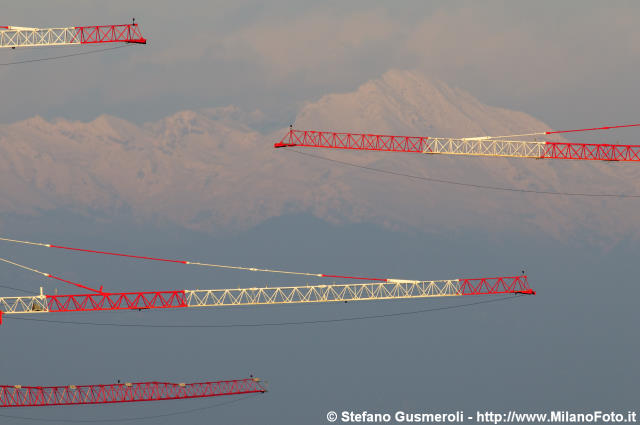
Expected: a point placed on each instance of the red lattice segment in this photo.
(496, 285)
(129, 33)
(117, 301)
(19, 396)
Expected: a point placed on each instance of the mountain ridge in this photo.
(210, 170)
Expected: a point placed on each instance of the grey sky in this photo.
(573, 346)
(569, 63)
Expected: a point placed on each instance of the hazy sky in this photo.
(569, 63)
(573, 346)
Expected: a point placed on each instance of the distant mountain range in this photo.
(210, 169)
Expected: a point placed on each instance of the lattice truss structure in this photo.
(502, 146)
(364, 289)
(391, 290)
(27, 396)
(32, 37)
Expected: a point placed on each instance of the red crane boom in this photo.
(375, 289)
(500, 146)
(25, 396)
(11, 36)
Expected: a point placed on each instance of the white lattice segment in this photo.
(485, 147)
(323, 293)
(29, 304)
(29, 37)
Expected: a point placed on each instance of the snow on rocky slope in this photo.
(209, 170)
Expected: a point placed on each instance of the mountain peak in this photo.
(208, 169)
(410, 103)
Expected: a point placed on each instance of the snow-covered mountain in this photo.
(407, 101)
(210, 170)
